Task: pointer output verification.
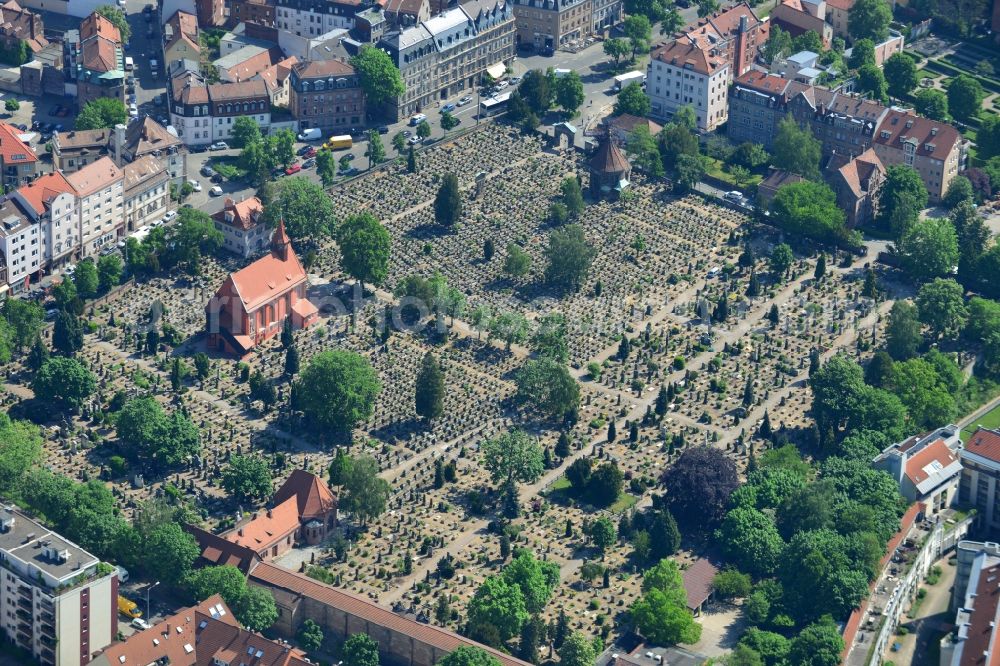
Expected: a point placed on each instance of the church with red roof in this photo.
(252, 304)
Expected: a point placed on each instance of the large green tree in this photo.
(929, 249)
(569, 92)
(661, 614)
(511, 458)
(303, 205)
(365, 493)
(429, 389)
(149, 435)
(902, 198)
(497, 608)
(469, 655)
(942, 307)
(20, 450)
(365, 246)
(902, 333)
(378, 75)
(226, 581)
(546, 386)
(750, 540)
(192, 236)
(900, 74)
(117, 17)
(101, 113)
(965, 97)
(176, 551)
(570, 257)
(633, 100)
(247, 478)
(795, 149)
(336, 390)
(256, 609)
(809, 209)
(360, 650)
(577, 650)
(869, 19)
(448, 201)
(64, 382)
(819, 644)
(932, 103)
(536, 578)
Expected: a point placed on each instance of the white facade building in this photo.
(684, 74)
(100, 198)
(51, 202)
(21, 243)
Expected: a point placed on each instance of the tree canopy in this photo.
(303, 205)
(633, 100)
(661, 614)
(869, 19)
(365, 247)
(698, 487)
(796, 150)
(929, 249)
(810, 209)
(546, 387)
(570, 256)
(150, 435)
(337, 390)
(64, 382)
(101, 113)
(378, 75)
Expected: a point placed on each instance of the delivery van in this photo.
(128, 608)
(311, 134)
(340, 142)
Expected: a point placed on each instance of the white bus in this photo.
(494, 105)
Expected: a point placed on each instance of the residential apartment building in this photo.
(203, 114)
(926, 467)
(936, 150)
(18, 163)
(75, 149)
(448, 54)
(545, 25)
(311, 18)
(326, 94)
(22, 245)
(606, 14)
(180, 38)
(59, 601)
(147, 137)
(403, 13)
(800, 16)
(99, 61)
(19, 25)
(243, 230)
(857, 183)
(684, 74)
(845, 124)
(980, 483)
(260, 12)
(276, 80)
(100, 194)
(736, 33)
(147, 192)
(976, 603)
(50, 202)
(836, 15)
(204, 635)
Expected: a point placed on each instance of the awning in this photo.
(497, 70)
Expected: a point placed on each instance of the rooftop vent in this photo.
(6, 522)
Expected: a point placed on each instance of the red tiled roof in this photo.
(313, 69)
(100, 55)
(241, 214)
(256, 64)
(728, 20)
(698, 582)
(12, 149)
(259, 282)
(274, 576)
(219, 551)
(96, 25)
(985, 443)
(937, 451)
(95, 176)
(843, 5)
(184, 23)
(900, 126)
(684, 54)
(313, 496)
(979, 649)
(857, 172)
(40, 192)
(267, 527)
(763, 82)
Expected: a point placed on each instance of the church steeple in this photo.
(280, 242)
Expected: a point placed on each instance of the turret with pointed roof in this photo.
(609, 169)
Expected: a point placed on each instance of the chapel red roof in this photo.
(312, 495)
(270, 275)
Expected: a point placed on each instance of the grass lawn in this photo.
(716, 171)
(559, 493)
(990, 419)
(623, 503)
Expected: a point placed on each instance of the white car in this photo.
(216, 191)
(139, 624)
(170, 215)
(133, 110)
(733, 196)
(465, 100)
(413, 140)
(157, 224)
(195, 185)
(219, 145)
(502, 84)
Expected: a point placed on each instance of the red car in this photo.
(295, 168)
(309, 153)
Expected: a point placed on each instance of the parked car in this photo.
(195, 185)
(217, 178)
(308, 164)
(171, 214)
(413, 140)
(138, 622)
(383, 129)
(133, 110)
(733, 196)
(447, 108)
(310, 153)
(515, 80)
(216, 191)
(293, 169)
(219, 145)
(303, 150)
(207, 171)
(465, 100)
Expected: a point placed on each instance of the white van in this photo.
(311, 134)
(129, 63)
(416, 119)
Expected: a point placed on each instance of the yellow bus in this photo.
(340, 142)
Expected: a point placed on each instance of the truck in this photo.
(128, 608)
(311, 134)
(561, 72)
(623, 80)
(340, 142)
